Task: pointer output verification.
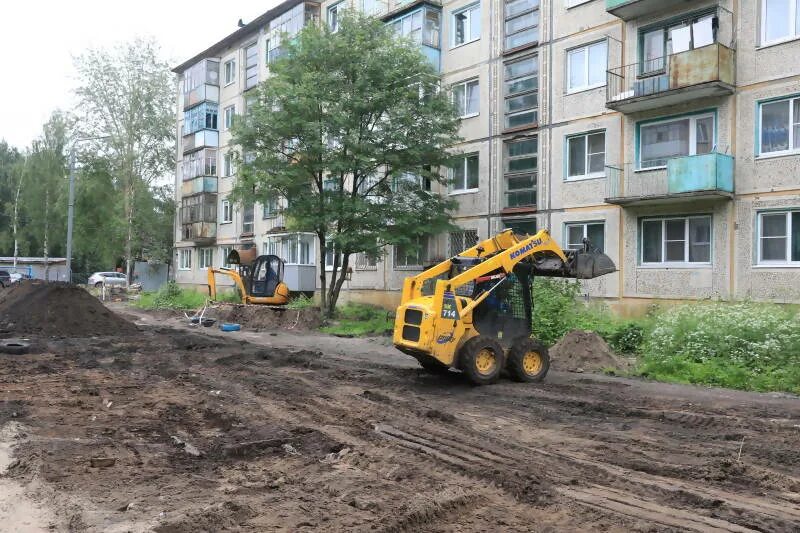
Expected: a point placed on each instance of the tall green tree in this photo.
(351, 129)
(11, 181)
(127, 97)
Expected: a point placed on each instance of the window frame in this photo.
(693, 118)
(793, 121)
(587, 67)
(794, 5)
(509, 174)
(508, 96)
(520, 15)
(333, 9)
(466, 84)
(227, 116)
(469, 10)
(422, 255)
(226, 80)
(788, 213)
(464, 159)
(202, 254)
(247, 67)
(226, 211)
(586, 175)
(185, 259)
(228, 170)
(585, 224)
(687, 242)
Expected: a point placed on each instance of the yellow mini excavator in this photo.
(258, 279)
(473, 312)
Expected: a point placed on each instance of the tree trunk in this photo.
(16, 218)
(129, 237)
(322, 277)
(336, 286)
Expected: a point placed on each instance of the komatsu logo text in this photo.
(527, 248)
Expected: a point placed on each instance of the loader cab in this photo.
(266, 273)
(507, 313)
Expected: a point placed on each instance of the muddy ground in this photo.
(179, 429)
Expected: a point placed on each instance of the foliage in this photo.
(360, 320)
(342, 123)
(300, 302)
(172, 296)
(742, 345)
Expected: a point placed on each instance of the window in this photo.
(227, 165)
(333, 17)
(365, 261)
(227, 212)
(297, 249)
(779, 237)
(185, 259)
(676, 240)
(586, 155)
(780, 126)
(467, 25)
(199, 118)
(586, 67)
(230, 71)
(200, 163)
(521, 226)
(693, 32)
(270, 208)
(522, 92)
(409, 181)
(520, 169)
(664, 140)
(576, 232)
(251, 66)
(412, 255)
(330, 256)
(521, 23)
(465, 173)
(422, 26)
(226, 252)
(228, 115)
(462, 240)
(780, 20)
(248, 214)
(466, 97)
(205, 258)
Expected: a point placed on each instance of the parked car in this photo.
(5, 278)
(16, 277)
(108, 278)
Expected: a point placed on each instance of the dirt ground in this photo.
(179, 429)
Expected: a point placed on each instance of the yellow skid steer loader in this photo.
(473, 312)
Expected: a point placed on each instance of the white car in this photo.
(98, 279)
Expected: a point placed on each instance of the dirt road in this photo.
(178, 430)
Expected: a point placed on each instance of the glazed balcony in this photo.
(631, 9)
(200, 94)
(200, 139)
(199, 185)
(202, 233)
(198, 217)
(672, 80)
(696, 177)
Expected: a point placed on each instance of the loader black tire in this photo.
(482, 360)
(528, 360)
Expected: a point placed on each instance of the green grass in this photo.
(171, 296)
(360, 320)
(300, 302)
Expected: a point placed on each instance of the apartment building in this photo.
(666, 131)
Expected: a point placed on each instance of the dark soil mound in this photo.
(264, 317)
(57, 309)
(580, 351)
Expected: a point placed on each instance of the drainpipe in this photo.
(549, 215)
(492, 103)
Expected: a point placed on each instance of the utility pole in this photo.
(70, 211)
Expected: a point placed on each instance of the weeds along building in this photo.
(666, 131)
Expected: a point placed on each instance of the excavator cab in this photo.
(266, 274)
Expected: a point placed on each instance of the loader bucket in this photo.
(590, 264)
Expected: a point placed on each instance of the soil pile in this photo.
(258, 317)
(580, 351)
(57, 309)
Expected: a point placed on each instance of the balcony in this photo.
(695, 177)
(679, 78)
(631, 9)
(202, 233)
(199, 185)
(200, 139)
(200, 94)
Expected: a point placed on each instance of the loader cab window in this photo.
(267, 274)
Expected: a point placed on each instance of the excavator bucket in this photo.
(591, 264)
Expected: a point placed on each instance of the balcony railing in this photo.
(705, 176)
(199, 185)
(671, 80)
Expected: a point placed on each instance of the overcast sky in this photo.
(41, 37)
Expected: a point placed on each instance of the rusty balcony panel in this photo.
(199, 232)
(675, 79)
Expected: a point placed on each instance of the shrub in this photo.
(300, 301)
(627, 338)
